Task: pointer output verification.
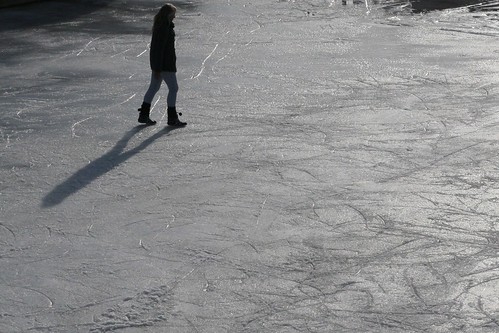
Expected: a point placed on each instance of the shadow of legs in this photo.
(100, 166)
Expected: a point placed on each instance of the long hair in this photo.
(162, 16)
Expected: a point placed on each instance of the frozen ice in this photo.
(339, 172)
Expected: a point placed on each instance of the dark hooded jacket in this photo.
(162, 55)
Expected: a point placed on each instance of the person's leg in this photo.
(145, 109)
(170, 79)
(153, 89)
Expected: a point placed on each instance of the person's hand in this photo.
(157, 75)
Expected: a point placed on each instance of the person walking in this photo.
(163, 61)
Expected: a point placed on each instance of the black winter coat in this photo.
(162, 55)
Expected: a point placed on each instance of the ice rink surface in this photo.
(339, 172)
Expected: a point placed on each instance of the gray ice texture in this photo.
(339, 172)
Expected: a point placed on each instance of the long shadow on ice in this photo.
(100, 166)
(98, 16)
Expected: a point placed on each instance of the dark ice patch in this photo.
(429, 5)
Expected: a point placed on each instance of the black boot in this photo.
(173, 118)
(144, 110)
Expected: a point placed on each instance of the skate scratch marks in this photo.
(141, 53)
(256, 29)
(129, 98)
(204, 62)
(141, 244)
(50, 301)
(122, 52)
(261, 210)
(221, 59)
(368, 8)
(85, 48)
(73, 128)
(8, 229)
(165, 113)
(157, 101)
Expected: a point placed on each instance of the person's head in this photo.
(165, 14)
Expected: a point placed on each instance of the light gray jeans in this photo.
(170, 79)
